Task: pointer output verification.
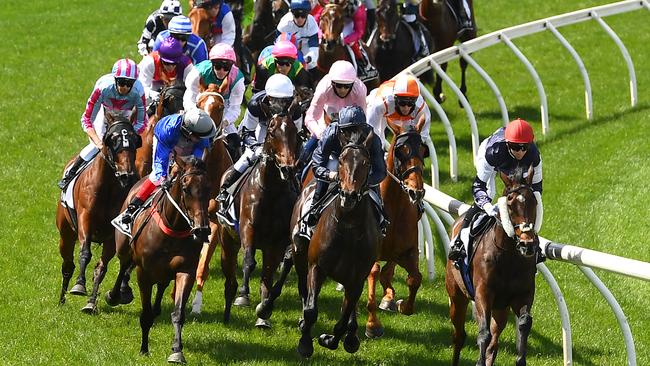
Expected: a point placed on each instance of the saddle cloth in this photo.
(127, 229)
(66, 195)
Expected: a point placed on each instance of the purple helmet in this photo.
(170, 50)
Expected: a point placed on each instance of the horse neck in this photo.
(346, 220)
(392, 188)
(171, 215)
(327, 58)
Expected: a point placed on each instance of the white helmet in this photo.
(198, 122)
(172, 7)
(279, 86)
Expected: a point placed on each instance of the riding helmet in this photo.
(519, 132)
(199, 123)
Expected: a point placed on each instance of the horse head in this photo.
(387, 23)
(518, 211)
(201, 25)
(279, 9)
(120, 143)
(262, 25)
(331, 25)
(213, 103)
(171, 99)
(281, 143)
(406, 154)
(353, 171)
(191, 188)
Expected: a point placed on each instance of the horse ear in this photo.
(109, 118)
(529, 177)
(505, 179)
(420, 124)
(326, 117)
(397, 129)
(368, 142)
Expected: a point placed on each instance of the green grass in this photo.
(594, 197)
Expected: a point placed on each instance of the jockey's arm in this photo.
(140, 108)
(233, 109)
(192, 84)
(199, 147)
(424, 111)
(378, 164)
(537, 177)
(92, 134)
(147, 31)
(147, 69)
(228, 30)
(249, 123)
(321, 155)
(359, 19)
(375, 113)
(314, 115)
(485, 174)
(92, 107)
(199, 50)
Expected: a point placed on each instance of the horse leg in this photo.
(463, 86)
(499, 320)
(160, 291)
(413, 281)
(457, 313)
(437, 89)
(126, 292)
(146, 317)
(310, 310)
(524, 325)
(203, 270)
(483, 303)
(85, 256)
(113, 297)
(108, 252)
(184, 283)
(350, 300)
(374, 329)
(248, 266)
(265, 308)
(66, 249)
(386, 280)
(271, 258)
(351, 342)
(229, 249)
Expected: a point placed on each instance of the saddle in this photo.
(67, 198)
(480, 223)
(127, 229)
(231, 218)
(419, 37)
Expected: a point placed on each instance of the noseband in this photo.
(356, 196)
(182, 208)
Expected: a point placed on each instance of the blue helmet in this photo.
(180, 24)
(300, 5)
(352, 116)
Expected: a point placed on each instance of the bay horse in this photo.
(331, 47)
(402, 191)
(166, 245)
(264, 204)
(392, 46)
(97, 194)
(344, 247)
(502, 273)
(262, 31)
(442, 25)
(170, 102)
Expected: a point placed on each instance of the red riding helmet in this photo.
(519, 132)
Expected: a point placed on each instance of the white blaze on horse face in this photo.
(208, 103)
(521, 198)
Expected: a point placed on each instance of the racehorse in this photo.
(501, 271)
(262, 31)
(344, 246)
(402, 191)
(170, 102)
(97, 194)
(444, 29)
(166, 244)
(392, 46)
(331, 47)
(264, 203)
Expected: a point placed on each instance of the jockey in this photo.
(399, 101)
(223, 27)
(162, 67)
(299, 22)
(157, 22)
(338, 89)
(116, 93)
(277, 96)
(268, 50)
(220, 69)
(464, 16)
(180, 28)
(186, 134)
(283, 60)
(350, 127)
(410, 16)
(504, 151)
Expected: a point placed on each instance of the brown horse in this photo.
(170, 102)
(402, 191)
(98, 194)
(502, 272)
(264, 204)
(201, 25)
(331, 47)
(166, 245)
(444, 29)
(344, 246)
(262, 30)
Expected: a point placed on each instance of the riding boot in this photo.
(384, 222)
(457, 249)
(371, 19)
(71, 173)
(316, 206)
(464, 21)
(231, 177)
(134, 205)
(233, 144)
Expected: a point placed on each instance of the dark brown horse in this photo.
(444, 29)
(331, 47)
(166, 245)
(262, 31)
(402, 191)
(264, 204)
(391, 48)
(502, 272)
(98, 194)
(344, 246)
(170, 102)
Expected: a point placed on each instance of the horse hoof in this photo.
(126, 296)
(305, 347)
(110, 300)
(62, 301)
(144, 353)
(402, 309)
(176, 357)
(90, 308)
(373, 333)
(339, 287)
(197, 304)
(327, 341)
(351, 343)
(301, 324)
(78, 289)
(262, 324)
(388, 305)
(242, 301)
(441, 98)
(263, 310)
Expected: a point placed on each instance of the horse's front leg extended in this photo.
(265, 308)
(483, 303)
(374, 329)
(386, 280)
(349, 306)
(184, 282)
(413, 281)
(85, 255)
(499, 320)
(108, 252)
(524, 325)
(146, 317)
(310, 310)
(248, 266)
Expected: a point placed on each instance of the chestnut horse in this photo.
(444, 29)
(331, 47)
(402, 191)
(166, 245)
(502, 272)
(98, 194)
(344, 246)
(264, 204)
(170, 102)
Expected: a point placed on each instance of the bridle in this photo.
(182, 208)
(383, 12)
(414, 140)
(166, 93)
(125, 129)
(355, 196)
(524, 227)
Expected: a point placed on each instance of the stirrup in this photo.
(456, 252)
